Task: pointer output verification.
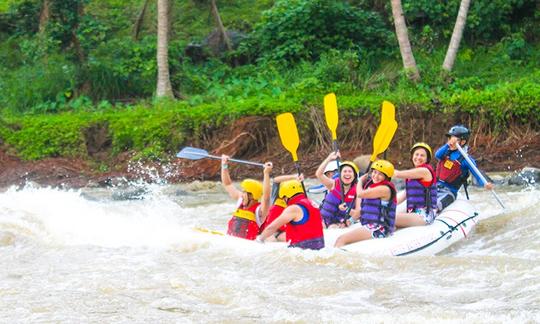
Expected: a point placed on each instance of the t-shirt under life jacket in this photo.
(244, 223)
(274, 212)
(450, 172)
(308, 232)
(422, 194)
(374, 212)
(330, 211)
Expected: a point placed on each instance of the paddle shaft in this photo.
(233, 160)
(478, 173)
(297, 165)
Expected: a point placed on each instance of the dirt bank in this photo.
(256, 139)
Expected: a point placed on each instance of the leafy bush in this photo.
(293, 30)
(39, 83)
(487, 20)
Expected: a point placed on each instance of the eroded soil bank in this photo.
(256, 139)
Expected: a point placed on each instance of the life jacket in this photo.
(374, 212)
(244, 223)
(308, 232)
(330, 211)
(450, 172)
(275, 210)
(421, 194)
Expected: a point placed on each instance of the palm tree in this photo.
(164, 88)
(220, 26)
(457, 34)
(404, 44)
(140, 18)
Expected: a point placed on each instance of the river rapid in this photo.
(92, 256)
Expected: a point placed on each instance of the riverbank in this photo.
(255, 138)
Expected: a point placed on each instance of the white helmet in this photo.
(331, 166)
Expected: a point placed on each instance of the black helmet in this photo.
(459, 131)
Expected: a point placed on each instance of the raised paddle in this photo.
(332, 119)
(385, 132)
(288, 133)
(331, 115)
(477, 172)
(193, 153)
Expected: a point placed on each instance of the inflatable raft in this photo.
(454, 224)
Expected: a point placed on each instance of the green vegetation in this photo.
(293, 53)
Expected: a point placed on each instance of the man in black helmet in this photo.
(452, 168)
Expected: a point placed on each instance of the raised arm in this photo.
(267, 190)
(287, 177)
(327, 182)
(226, 179)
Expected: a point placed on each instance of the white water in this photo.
(82, 256)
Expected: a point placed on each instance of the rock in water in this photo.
(527, 175)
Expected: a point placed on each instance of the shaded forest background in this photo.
(78, 79)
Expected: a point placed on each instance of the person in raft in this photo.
(339, 202)
(304, 224)
(420, 189)
(452, 169)
(250, 211)
(277, 205)
(378, 205)
(331, 172)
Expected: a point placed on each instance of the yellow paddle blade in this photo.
(383, 137)
(331, 113)
(388, 112)
(288, 133)
(205, 230)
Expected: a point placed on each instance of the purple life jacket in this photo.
(420, 196)
(330, 211)
(373, 212)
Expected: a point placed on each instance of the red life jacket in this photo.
(273, 213)
(244, 223)
(307, 229)
(450, 171)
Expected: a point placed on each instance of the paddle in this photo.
(331, 115)
(385, 132)
(477, 172)
(288, 133)
(193, 153)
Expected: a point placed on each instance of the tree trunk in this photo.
(164, 88)
(220, 26)
(404, 44)
(44, 16)
(140, 18)
(457, 34)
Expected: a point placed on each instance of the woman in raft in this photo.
(378, 205)
(420, 189)
(339, 202)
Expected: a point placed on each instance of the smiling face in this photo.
(377, 176)
(419, 156)
(347, 174)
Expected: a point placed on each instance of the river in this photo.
(88, 256)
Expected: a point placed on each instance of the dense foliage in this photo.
(85, 67)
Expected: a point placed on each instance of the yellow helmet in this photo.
(253, 187)
(425, 146)
(290, 188)
(384, 167)
(351, 164)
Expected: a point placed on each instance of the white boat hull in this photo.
(452, 225)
